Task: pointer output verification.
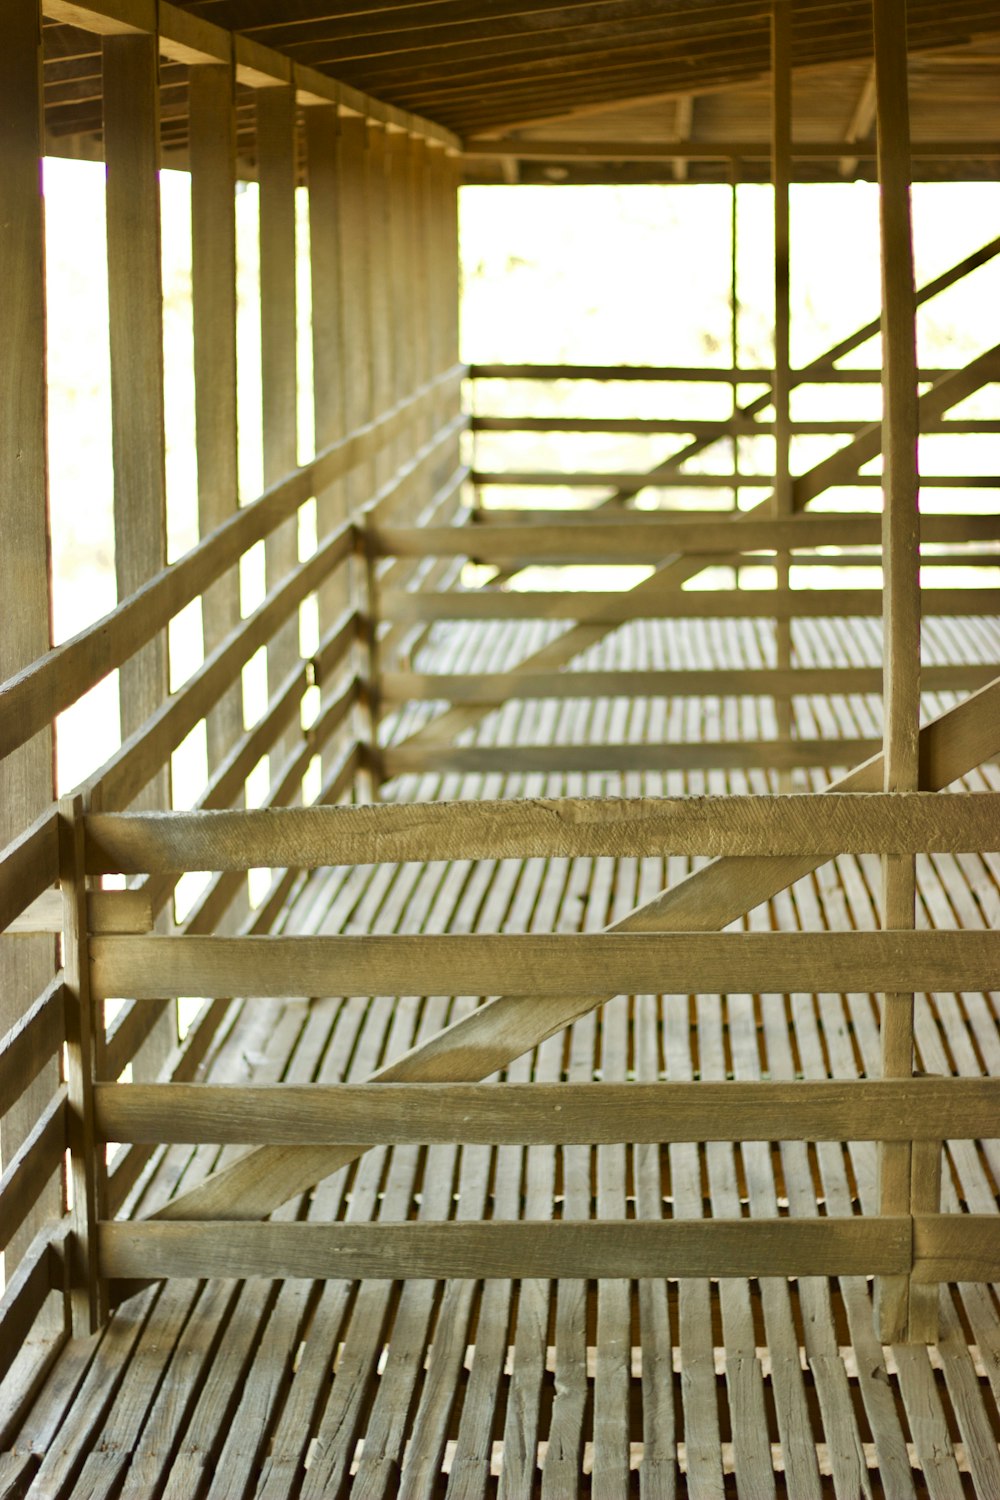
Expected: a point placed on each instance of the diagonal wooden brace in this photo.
(506, 1028)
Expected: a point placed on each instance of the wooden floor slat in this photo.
(474, 1390)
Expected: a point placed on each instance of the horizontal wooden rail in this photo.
(725, 755)
(699, 604)
(627, 1248)
(682, 479)
(522, 149)
(29, 1044)
(683, 963)
(32, 698)
(557, 1114)
(37, 1274)
(31, 1167)
(642, 536)
(687, 374)
(956, 1247)
(107, 911)
(498, 687)
(738, 426)
(315, 837)
(29, 864)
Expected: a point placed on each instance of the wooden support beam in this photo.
(135, 303)
(26, 777)
(683, 123)
(277, 166)
(506, 1028)
(376, 1114)
(902, 604)
(672, 1247)
(212, 136)
(84, 1035)
(633, 963)
(566, 827)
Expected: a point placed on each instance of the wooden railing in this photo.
(386, 405)
(309, 1131)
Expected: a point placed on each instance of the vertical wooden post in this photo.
(781, 162)
(901, 600)
(213, 293)
(135, 313)
(26, 785)
(87, 1165)
(277, 168)
(322, 131)
(356, 313)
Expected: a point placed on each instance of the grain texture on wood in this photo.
(212, 94)
(313, 837)
(719, 1247)
(517, 1113)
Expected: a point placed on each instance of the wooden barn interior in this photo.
(576, 1071)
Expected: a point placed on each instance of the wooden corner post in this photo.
(902, 1310)
(88, 1172)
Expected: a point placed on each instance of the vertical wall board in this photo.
(277, 168)
(781, 170)
(353, 229)
(135, 307)
(322, 130)
(135, 324)
(213, 294)
(26, 781)
(379, 289)
(901, 600)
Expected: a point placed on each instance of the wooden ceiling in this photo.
(636, 73)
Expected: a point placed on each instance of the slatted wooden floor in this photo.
(610, 1389)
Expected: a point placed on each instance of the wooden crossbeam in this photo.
(566, 827)
(556, 1113)
(629, 963)
(490, 1038)
(671, 1247)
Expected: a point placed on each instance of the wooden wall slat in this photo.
(211, 93)
(277, 170)
(135, 300)
(26, 777)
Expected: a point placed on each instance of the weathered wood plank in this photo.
(628, 604)
(29, 1044)
(26, 784)
(717, 1247)
(84, 1035)
(135, 311)
(107, 911)
(314, 837)
(212, 137)
(921, 1109)
(641, 536)
(497, 687)
(550, 964)
(696, 755)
